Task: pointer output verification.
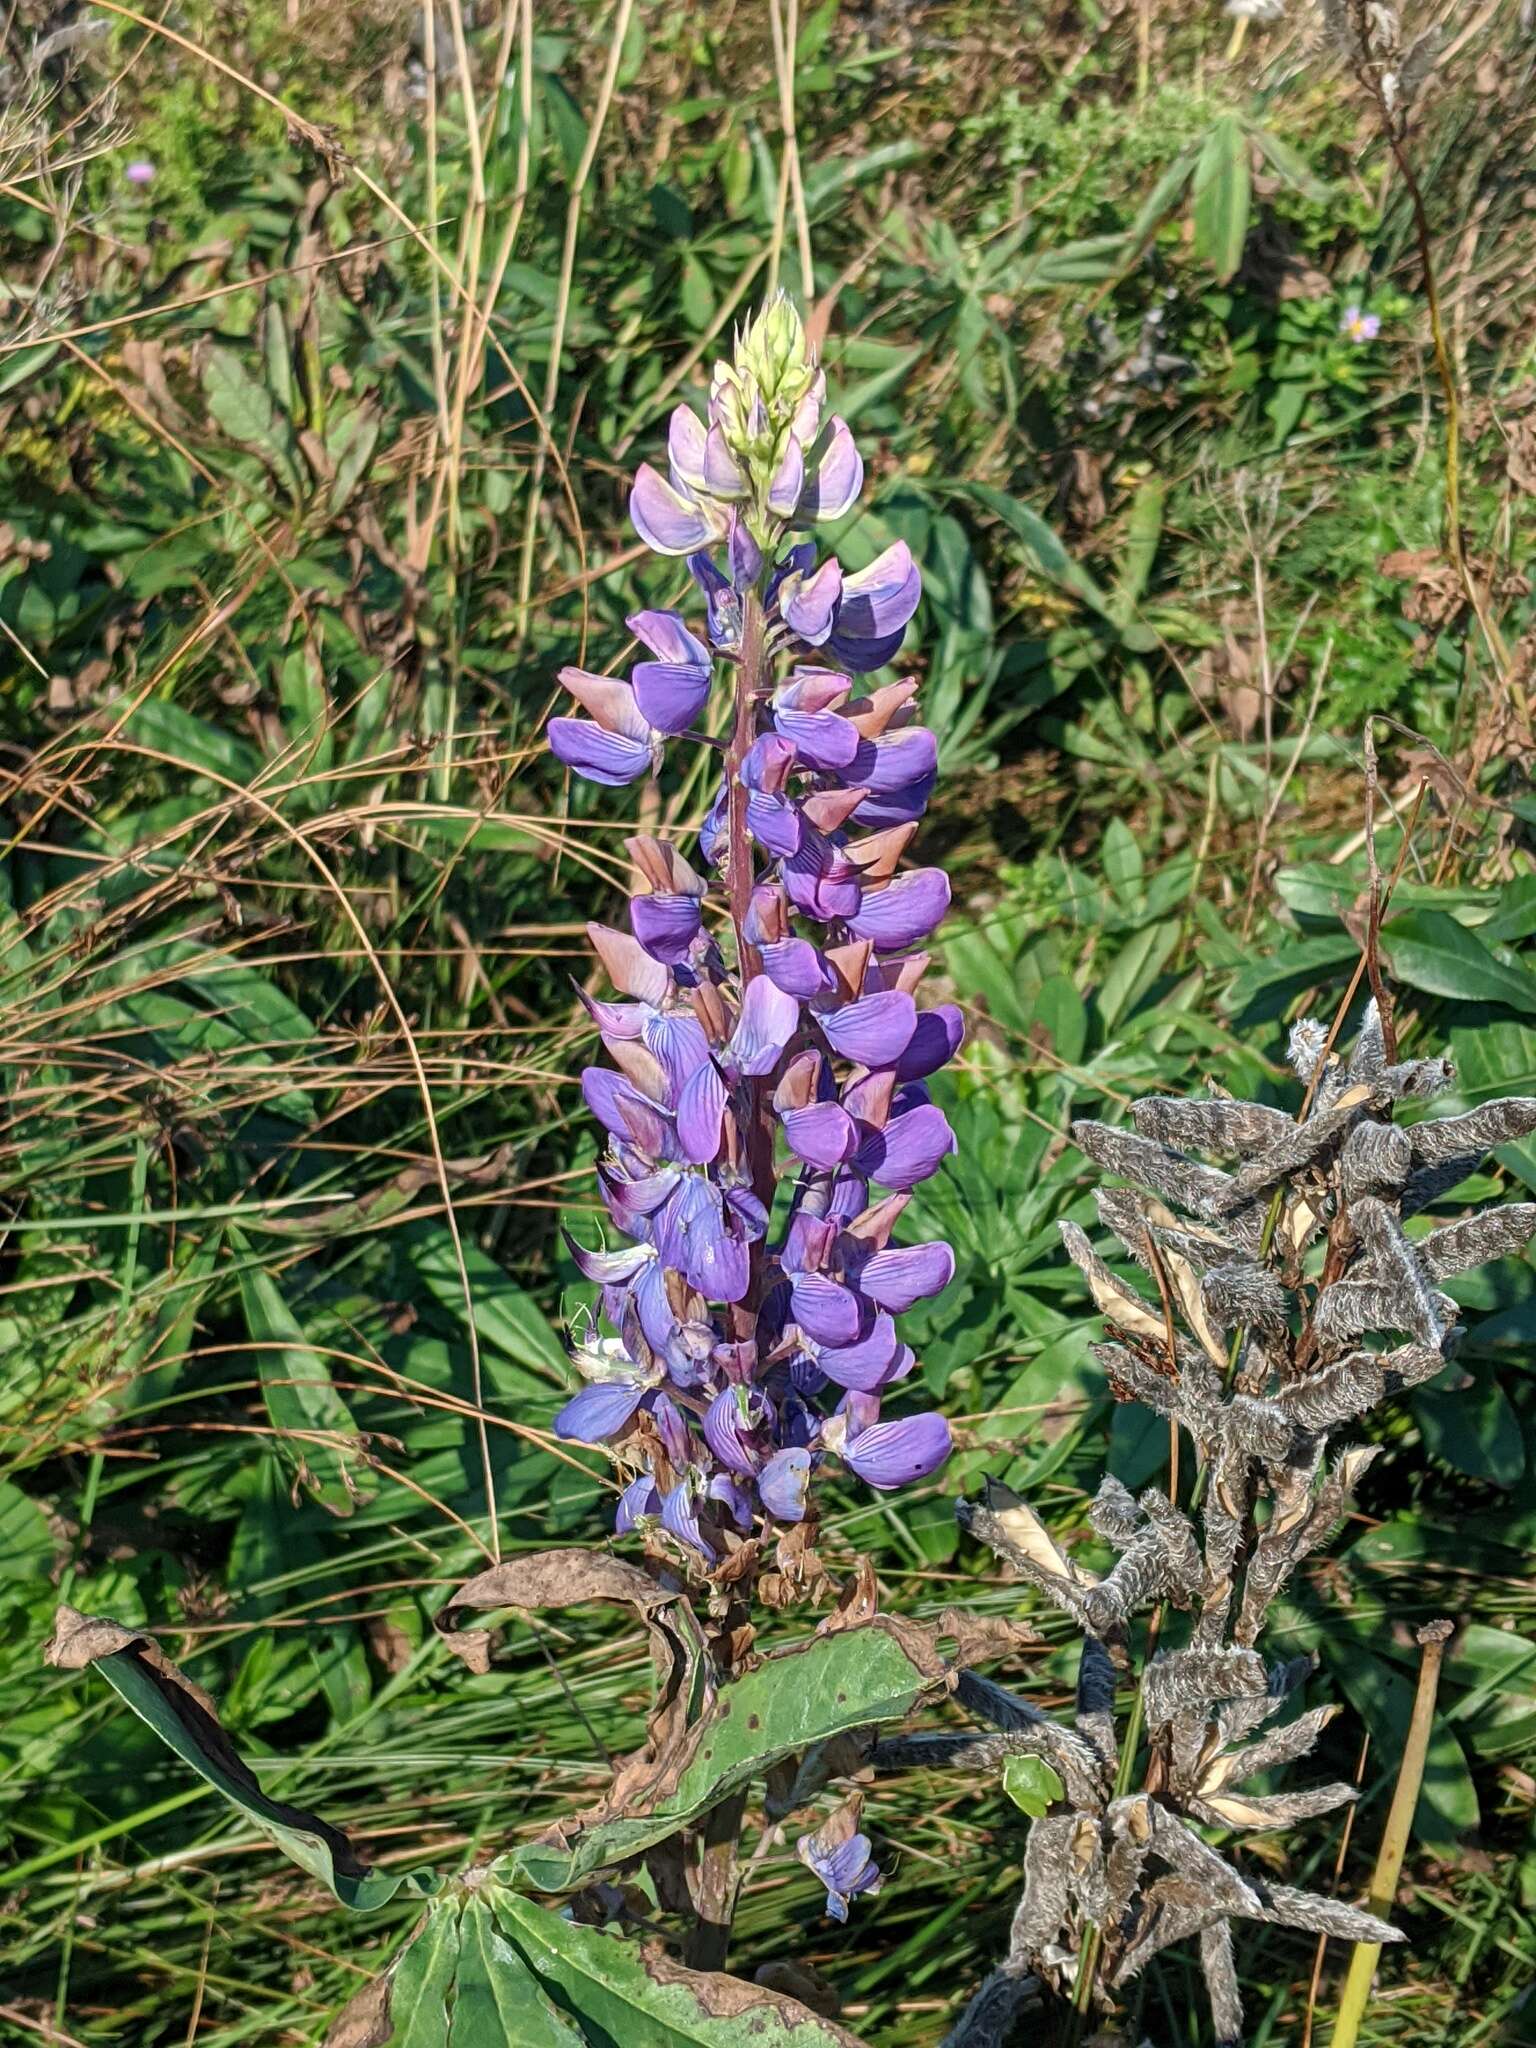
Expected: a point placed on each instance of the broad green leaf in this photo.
(313, 1423)
(620, 1994)
(1031, 1784)
(1044, 548)
(1499, 1058)
(1429, 950)
(1474, 1429)
(497, 1997)
(1222, 192)
(183, 1718)
(422, 1984)
(852, 1678)
(505, 1315)
(26, 1541)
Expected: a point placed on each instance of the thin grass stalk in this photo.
(563, 292)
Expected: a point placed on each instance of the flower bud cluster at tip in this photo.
(723, 1370)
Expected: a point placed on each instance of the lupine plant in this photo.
(766, 1112)
(1290, 1301)
(766, 1115)
(767, 1118)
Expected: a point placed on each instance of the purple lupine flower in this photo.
(840, 1857)
(765, 1038)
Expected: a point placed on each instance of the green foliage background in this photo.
(290, 895)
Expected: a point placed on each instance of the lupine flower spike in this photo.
(1289, 1301)
(766, 1108)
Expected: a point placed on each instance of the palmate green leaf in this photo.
(184, 1718)
(1222, 191)
(490, 1969)
(1429, 950)
(852, 1678)
(616, 1993)
(313, 1422)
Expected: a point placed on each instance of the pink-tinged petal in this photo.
(814, 689)
(610, 701)
(936, 1040)
(838, 479)
(903, 1274)
(824, 1135)
(686, 443)
(904, 911)
(666, 923)
(665, 520)
(782, 1483)
(795, 966)
(874, 1030)
(629, 966)
(606, 757)
(670, 695)
(768, 764)
(668, 638)
(616, 1021)
(908, 1150)
(723, 474)
(701, 1113)
(808, 604)
(768, 1021)
(891, 1454)
(866, 1364)
(827, 1312)
(788, 480)
(599, 1412)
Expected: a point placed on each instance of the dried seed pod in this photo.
(1217, 1124)
(1442, 1140)
(1476, 1240)
(1114, 1514)
(1307, 1047)
(1191, 1681)
(1376, 1160)
(1240, 1294)
(1304, 1146)
(1219, 1968)
(1204, 1190)
(1394, 1265)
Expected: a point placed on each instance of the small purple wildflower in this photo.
(140, 172)
(745, 1349)
(840, 1857)
(1358, 325)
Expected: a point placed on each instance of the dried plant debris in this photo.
(1289, 1299)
